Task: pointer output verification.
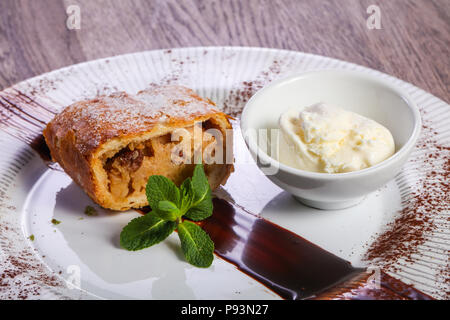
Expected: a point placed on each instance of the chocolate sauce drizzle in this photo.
(288, 264)
(24, 118)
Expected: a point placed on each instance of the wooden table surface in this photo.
(413, 43)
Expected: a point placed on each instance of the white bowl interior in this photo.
(350, 91)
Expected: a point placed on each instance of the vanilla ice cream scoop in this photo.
(325, 138)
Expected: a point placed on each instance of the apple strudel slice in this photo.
(110, 145)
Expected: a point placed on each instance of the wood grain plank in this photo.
(413, 44)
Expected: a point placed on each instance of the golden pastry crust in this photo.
(108, 141)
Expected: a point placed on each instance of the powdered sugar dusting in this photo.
(102, 118)
(173, 102)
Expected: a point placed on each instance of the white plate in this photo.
(32, 195)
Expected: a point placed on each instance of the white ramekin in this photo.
(361, 93)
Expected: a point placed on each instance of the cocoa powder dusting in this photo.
(21, 275)
(239, 95)
(421, 218)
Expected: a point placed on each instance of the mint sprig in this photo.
(170, 205)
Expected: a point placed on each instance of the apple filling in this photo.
(128, 170)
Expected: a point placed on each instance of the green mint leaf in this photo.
(196, 244)
(200, 181)
(167, 210)
(186, 195)
(201, 207)
(56, 222)
(90, 211)
(167, 206)
(145, 231)
(160, 188)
